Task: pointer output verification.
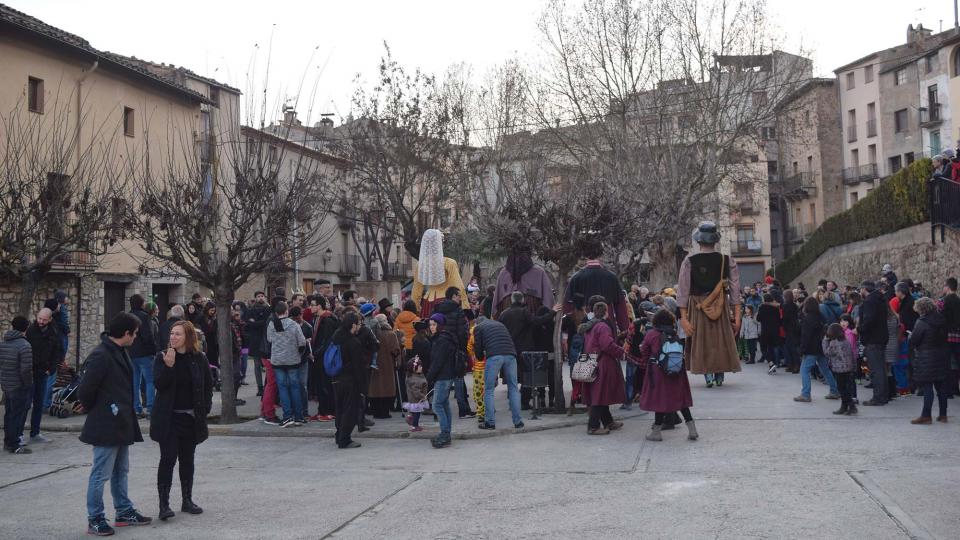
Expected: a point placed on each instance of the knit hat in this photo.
(439, 319)
(948, 153)
(59, 296)
(869, 286)
(367, 309)
(886, 269)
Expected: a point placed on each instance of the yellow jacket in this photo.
(434, 292)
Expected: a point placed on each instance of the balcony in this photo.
(746, 208)
(800, 186)
(71, 261)
(872, 128)
(397, 271)
(864, 173)
(349, 265)
(852, 133)
(746, 247)
(930, 116)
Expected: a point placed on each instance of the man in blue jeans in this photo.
(810, 360)
(492, 340)
(142, 351)
(47, 354)
(111, 425)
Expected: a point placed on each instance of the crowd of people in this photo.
(358, 361)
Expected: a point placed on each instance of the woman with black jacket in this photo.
(178, 420)
(791, 329)
(931, 359)
(443, 370)
(768, 315)
(346, 385)
(811, 347)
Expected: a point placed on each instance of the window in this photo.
(900, 76)
(895, 164)
(768, 133)
(934, 143)
(854, 198)
(128, 122)
(900, 121)
(759, 99)
(928, 63)
(851, 80)
(955, 68)
(868, 74)
(854, 158)
(273, 153)
(908, 157)
(215, 95)
(810, 164)
(35, 95)
(872, 154)
(796, 168)
(813, 213)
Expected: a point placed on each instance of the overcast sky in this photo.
(218, 38)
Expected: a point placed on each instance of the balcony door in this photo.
(934, 142)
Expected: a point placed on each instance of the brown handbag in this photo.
(713, 305)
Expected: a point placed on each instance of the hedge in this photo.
(900, 201)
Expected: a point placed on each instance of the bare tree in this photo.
(669, 98)
(235, 207)
(405, 142)
(56, 197)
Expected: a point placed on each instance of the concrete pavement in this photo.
(765, 467)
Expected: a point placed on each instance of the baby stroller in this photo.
(64, 401)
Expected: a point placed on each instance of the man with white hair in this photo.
(174, 316)
(47, 350)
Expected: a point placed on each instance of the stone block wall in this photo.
(909, 250)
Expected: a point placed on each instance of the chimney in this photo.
(324, 128)
(918, 34)
(290, 116)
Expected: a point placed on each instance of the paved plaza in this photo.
(764, 467)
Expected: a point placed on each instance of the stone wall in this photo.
(908, 250)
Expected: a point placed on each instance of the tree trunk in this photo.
(228, 404)
(29, 283)
(559, 401)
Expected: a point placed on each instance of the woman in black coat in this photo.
(768, 315)
(178, 420)
(931, 359)
(347, 384)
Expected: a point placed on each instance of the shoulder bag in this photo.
(585, 370)
(714, 304)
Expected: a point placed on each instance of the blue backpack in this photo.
(671, 354)
(332, 360)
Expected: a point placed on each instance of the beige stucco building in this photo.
(130, 112)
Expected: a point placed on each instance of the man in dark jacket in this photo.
(47, 354)
(492, 340)
(443, 371)
(320, 385)
(111, 424)
(141, 352)
(951, 313)
(16, 380)
(873, 335)
(907, 314)
(521, 324)
(256, 329)
(452, 311)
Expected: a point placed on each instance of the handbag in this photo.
(586, 369)
(714, 304)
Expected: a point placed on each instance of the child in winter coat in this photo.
(416, 394)
(750, 333)
(840, 358)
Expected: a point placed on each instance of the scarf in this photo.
(430, 269)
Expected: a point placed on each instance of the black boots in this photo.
(165, 511)
(187, 506)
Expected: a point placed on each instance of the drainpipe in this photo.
(79, 308)
(83, 77)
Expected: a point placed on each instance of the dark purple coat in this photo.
(608, 388)
(661, 392)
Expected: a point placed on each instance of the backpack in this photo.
(332, 360)
(671, 355)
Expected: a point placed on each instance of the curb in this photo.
(233, 431)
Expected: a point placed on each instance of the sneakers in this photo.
(922, 421)
(270, 421)
(99, 527)
(872, 403)
(833, 396)
(416, 429)
(719, 382)
(469, 414)
(287, 423)
(802, 399)
(132, 519)
(39, 438)
(772, 370)
(351, 444)
(440, 442)
(518, 425)
(655, 434)
(709, 384)
(20, 450)
(321, 418)
(485, 425)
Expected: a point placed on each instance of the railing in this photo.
(397, 271)
(799, 186)
(852, 133)
(71, 260)
(746, 247)
(944, 206)
(930, 115)
(349, 265)
(863, 173)
(872, 128)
